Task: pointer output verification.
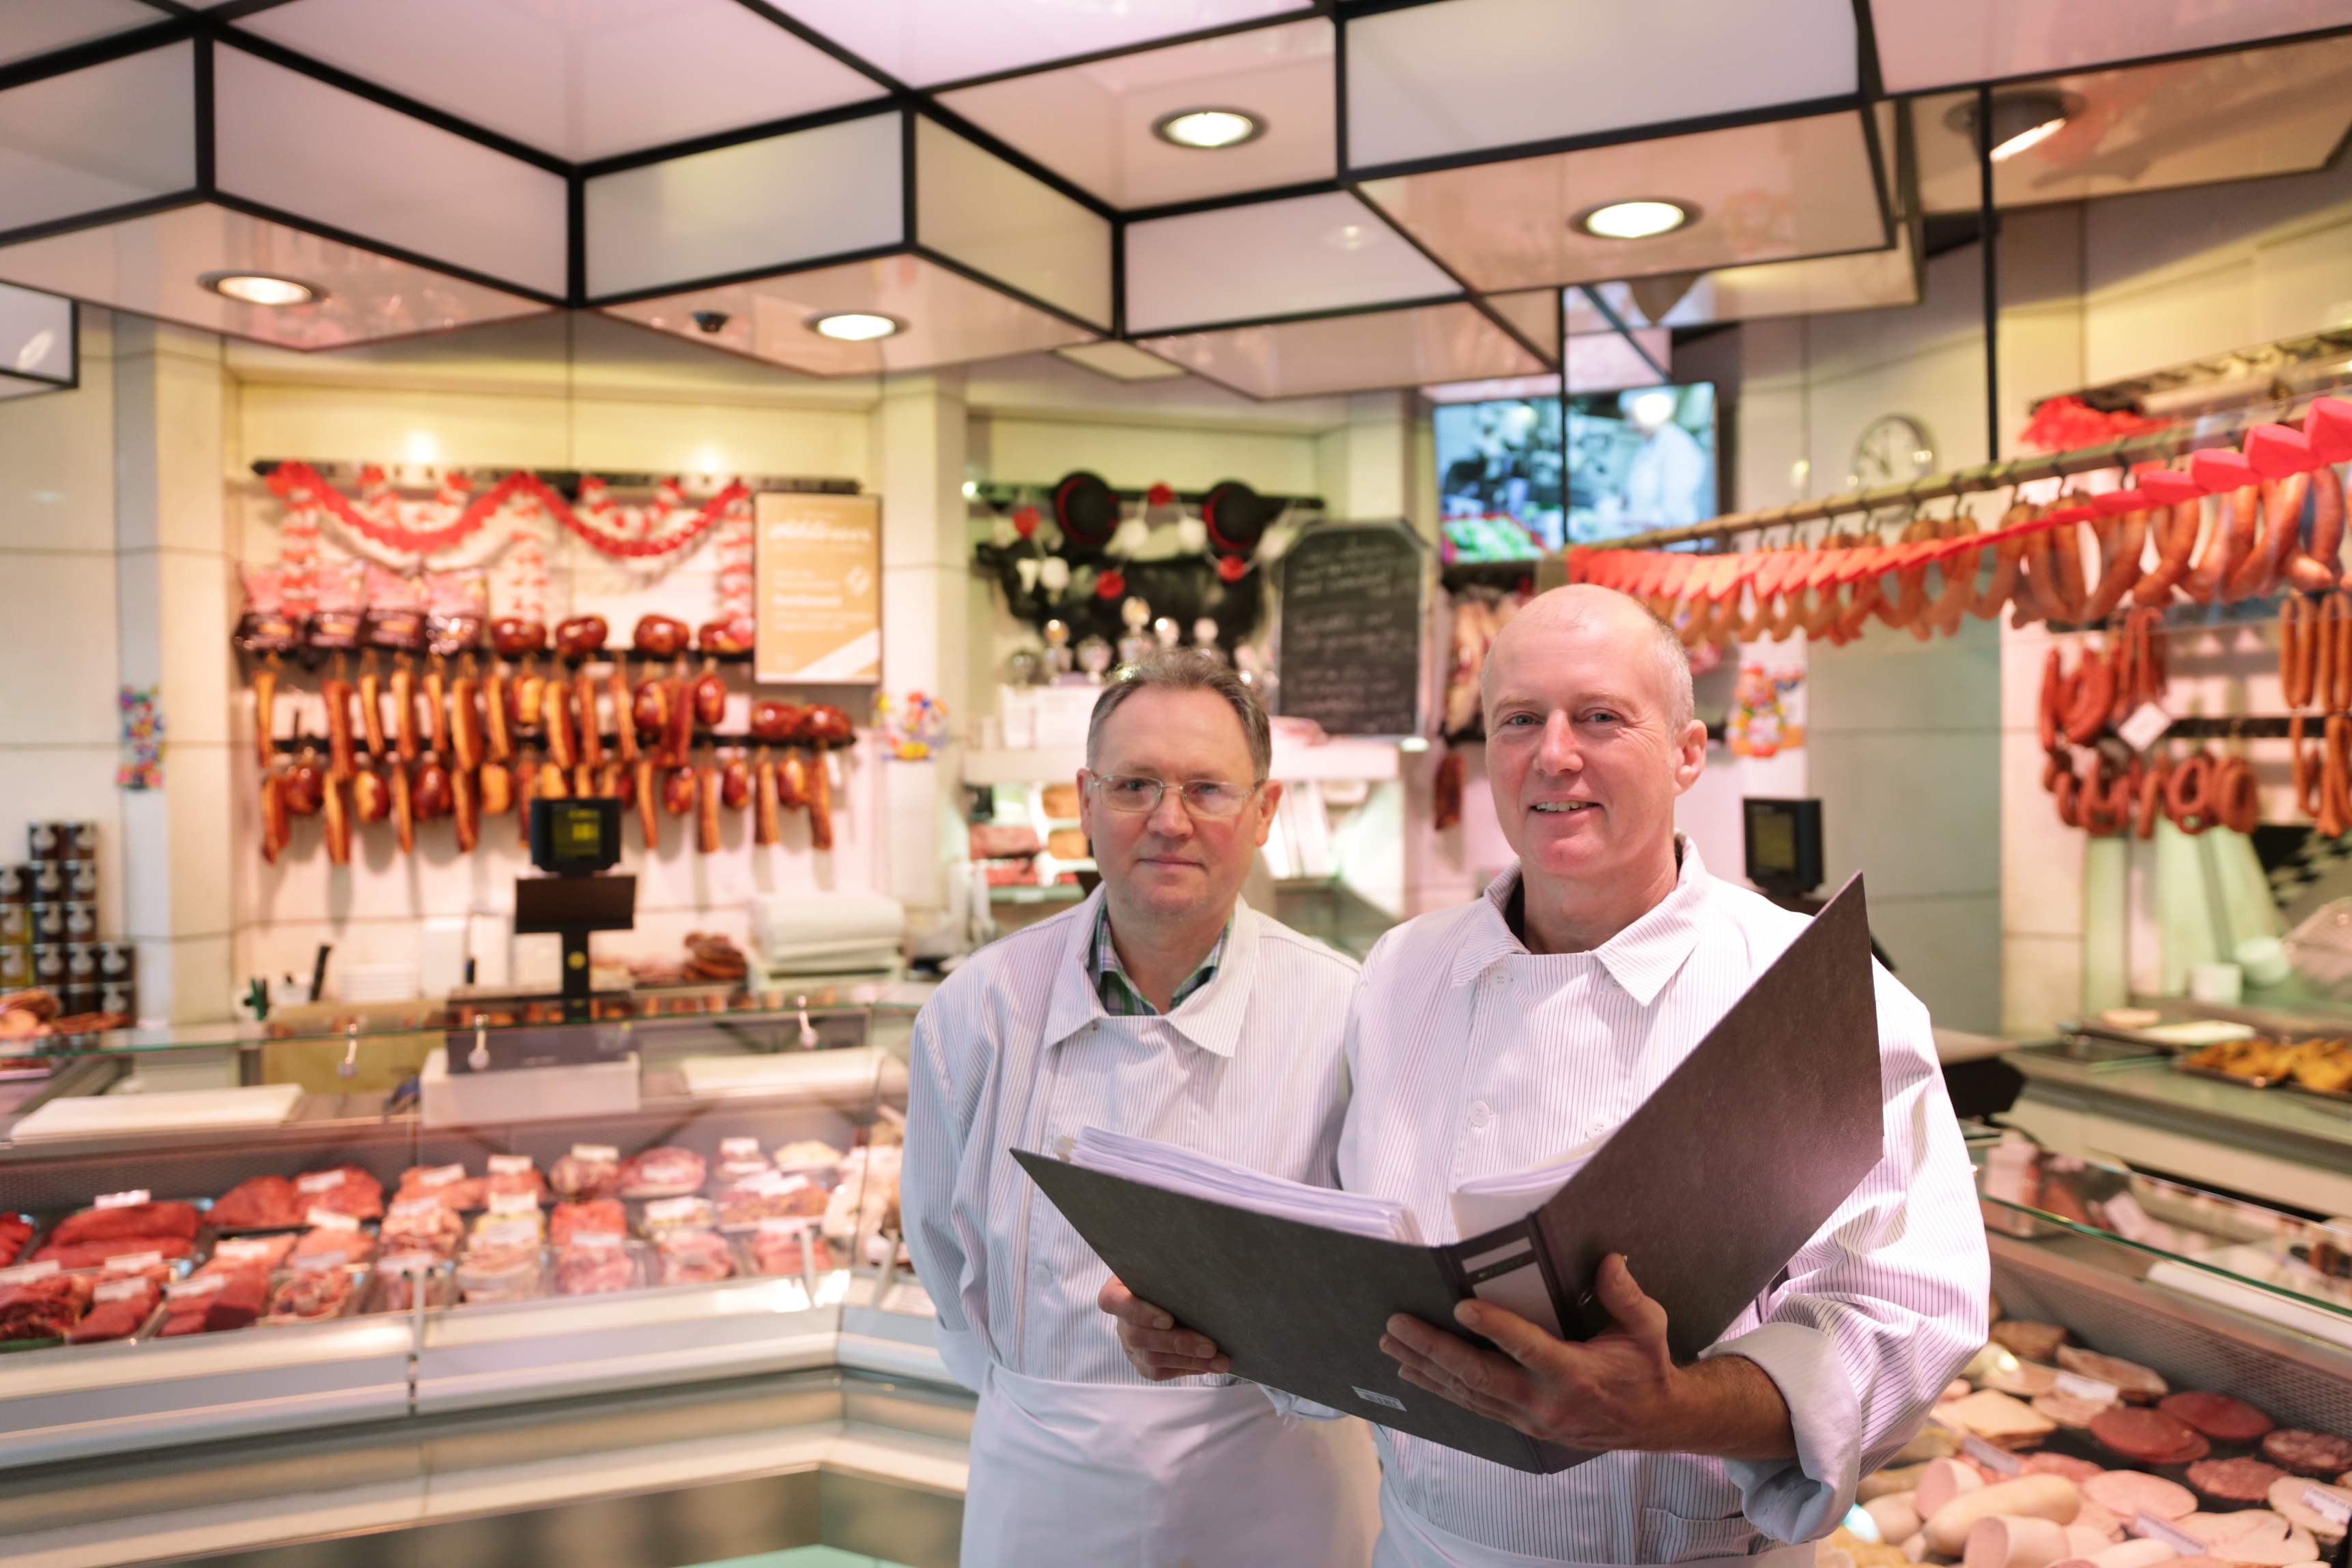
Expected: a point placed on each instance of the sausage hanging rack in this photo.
(2153, 447)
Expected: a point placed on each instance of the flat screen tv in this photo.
(1640, 459)
(1499, 478)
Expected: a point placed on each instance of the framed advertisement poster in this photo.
(818, 581)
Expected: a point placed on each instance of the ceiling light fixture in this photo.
(856, 326)
(2019, 119)
(262, 288)
(1644, 219)
(1207, 130)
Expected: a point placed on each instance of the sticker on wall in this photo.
(818, 571)
(913, 729)
(143, 739)
(1764, 710)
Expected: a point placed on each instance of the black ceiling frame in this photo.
(2203, 51)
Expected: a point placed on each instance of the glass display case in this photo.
(338, 1217)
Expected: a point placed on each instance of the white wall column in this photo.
(919, 441)
(174, 585)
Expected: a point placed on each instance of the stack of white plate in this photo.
(376, 982)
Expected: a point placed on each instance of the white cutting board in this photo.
(181, 1111)
(799, 1071)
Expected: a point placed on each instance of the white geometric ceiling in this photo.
(986, 173)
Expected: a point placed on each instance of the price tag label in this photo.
(120, 1199)
(2328, 1503)
(415, 1208)
(594, 1239)
(24, 1274)
(320, 1181)
(1990, 1458)
(514, 1203)
(738, 1149)
(303, 1262)
(196, 1285)
(134, 1262)
(2090, 1388)
(2147, 1527)
(596, 1153)
(668, 1210)
(510, 1165)
(328, 1219)
(118, 1289)
(238, 1248)
(773, 1184)
(787, 1224)
(506, 1233)
(2142, 728)
(440, 1177)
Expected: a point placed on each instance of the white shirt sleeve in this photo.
(926, 1184)
(1879, 1310)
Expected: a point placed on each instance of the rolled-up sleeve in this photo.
(1879, 1310)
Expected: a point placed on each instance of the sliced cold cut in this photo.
(2014, 1541)
(2135, 1382)
(2254, 1537)
(2286, 1498)
(2067, 1464)
(2068, 1410)
(2148, 1437)
(1997, 1418)
(2128, 1494)
(2034, 1342)
(2307, 1453)
(2219, 1417)
(2050, 1498)
(2234, 1483)
(2025, 1379)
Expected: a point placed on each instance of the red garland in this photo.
(299, 484)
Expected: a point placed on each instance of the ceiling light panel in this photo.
(27, 30)
(582, 80)
(1937, 43)
(974, 208)
(1092, 123)
(101, 137)
(1763, 192)
(926, 42)
(724, 213)
(1873, 280)
(1296, 256)
(2147, 127)
(150, 266)
(315, 152)
(1121, 362)
(948, 319)
(1366, 352)
(1466, 76)
(37, 335)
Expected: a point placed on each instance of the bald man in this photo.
(1516, 1033)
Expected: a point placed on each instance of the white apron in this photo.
(1409, 1541)
(1089, 1475)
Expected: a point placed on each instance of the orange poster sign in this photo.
(819, 587)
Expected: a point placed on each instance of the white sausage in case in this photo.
(1942, 1481)
(2014, 1541)
(1895, 1515)
(2052, 1497)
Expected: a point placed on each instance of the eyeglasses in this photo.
(1136, 793)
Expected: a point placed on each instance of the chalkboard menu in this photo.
(1347, 646)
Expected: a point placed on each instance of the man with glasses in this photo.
(1162, 1005)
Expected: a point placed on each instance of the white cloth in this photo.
(1407, 1540)
(1014, 1052)
(1472, 1058)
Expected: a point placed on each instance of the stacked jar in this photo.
(69, 961)
(16, 928)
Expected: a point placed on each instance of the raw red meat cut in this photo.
(2219, 1417)
(258, 1203)
(695, 1257)
(341, 1189)
(15, 1231)
(590, 1269)
(120, 1308)
(662, 1172)
(324, 1241)
(128, 1219)
(779, 1251)
(310, 1295)
(450, 1184)
(234, 1303)
(45, 1308)
(2148, 1437)
(2235, 1481)
(597, 1215)
(577, 1178)
(91, 1254)
(2307, 1453)
(423, 1223)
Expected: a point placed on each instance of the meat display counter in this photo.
(202, 1244)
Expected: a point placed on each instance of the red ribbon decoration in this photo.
(299, 484)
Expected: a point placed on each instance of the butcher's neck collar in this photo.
(1571, 919)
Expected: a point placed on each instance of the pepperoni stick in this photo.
(820, 803)
(2330, 819)
(2093, 693)
(466, 809)
(404, 810)
(2306, 770)
(2176, 538)
(338, 694)
(680, 741)
(496, 782)
(2188, 795)
(766, 826)
(403, 712)
(371, 712)
(706, 809)
(2332, 670)
(648, 806)
(335, 819)
(2053, 684)
(265, 712)
(2067, 575)
(2129, 537)
(437, 711)
(625, 722)
(276, 827)
(555, 723)
(591, 741)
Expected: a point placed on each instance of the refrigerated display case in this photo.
(737, 1218)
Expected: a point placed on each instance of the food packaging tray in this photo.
(174, 1111)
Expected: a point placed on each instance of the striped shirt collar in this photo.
(1211, 1017)
(1122, 997)
(1641, 958)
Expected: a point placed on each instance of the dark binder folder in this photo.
(1708, 1189)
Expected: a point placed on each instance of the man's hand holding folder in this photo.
(1620, 1389)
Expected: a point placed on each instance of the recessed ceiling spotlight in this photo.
(1643, 219)
(262, 288)
(1208, 129)
(856, 326)
(2019, 119)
